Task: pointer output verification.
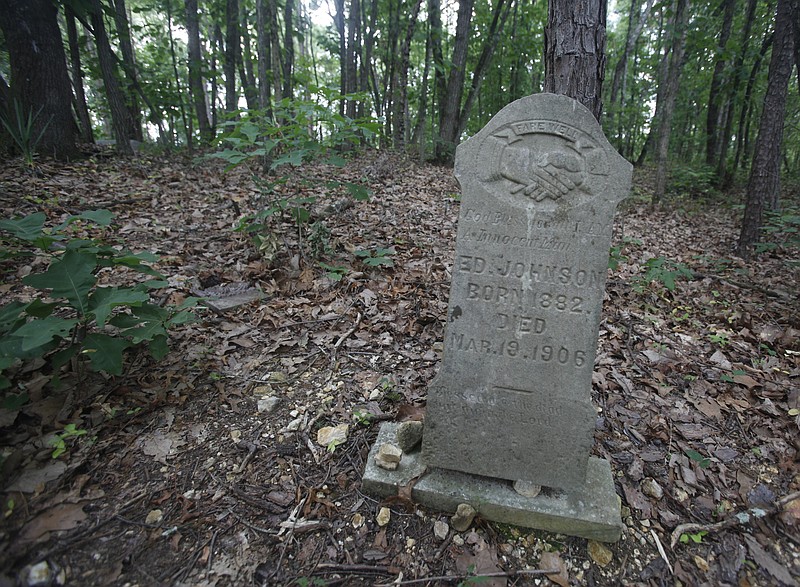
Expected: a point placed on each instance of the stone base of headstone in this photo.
(591, 511)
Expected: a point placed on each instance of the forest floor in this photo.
(189, 474)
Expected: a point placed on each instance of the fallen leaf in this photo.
(551, 560)
(65, 516)
(764, 560)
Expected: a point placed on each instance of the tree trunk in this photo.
(352, 53)
(178, 85)
(575, 42)
(263, 21)
(450, 102)
(231, 54)
(77, 76)
(195, 72)
(39, 79)
(744, 115)
(670, 94)
(724, 177)
(288, 49)
(763, 188)
(134, 117)
(120, 114)
(400, 105)
(245, 60)
(499, 18)
(714, 97)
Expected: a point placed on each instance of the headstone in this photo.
(540, 185)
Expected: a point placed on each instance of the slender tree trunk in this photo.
(714, 97)
(263, 21)
(195, 71)
(77, 76)
(245, 60)
(672, 82)
(178, 85)
(575, 42)
(794, 5)
(418, 136)
(39, 78)
(288, 49)
(231, 54)
(134, 117)
(501, 11)
(451, 100)
(400, 105)
(352, 52)
(743, 131)
(725, 178)
(120, 114)
(763, 188)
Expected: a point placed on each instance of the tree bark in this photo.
(245, 60)
(195, 71)
(400, 105)
(39, 79)
(743, 131)
(178, 85)
(763, 188)
(263, 21)
(575, 42)
(288, 49)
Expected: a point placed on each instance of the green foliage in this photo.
(663, 271)
(696, 538)
(78, 317)
(616, 256)
(58, 442)
(21, 129)
(702, 462)
(378, 257)
(781, 229)
(333, 272)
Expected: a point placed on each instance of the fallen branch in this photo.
(741, 519)
(476, 578)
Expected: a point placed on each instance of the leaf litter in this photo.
(697, 386)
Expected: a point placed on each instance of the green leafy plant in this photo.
(58, 442)
(720, 338)
(664, 271)
(75, 317)
(21, 129)
(781, 229)
(333, 272)
(730, 378)
(702, 462)
(696, 538)
(378, 257)
(616, 256)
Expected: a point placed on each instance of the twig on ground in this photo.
(741, 519)
(345, 336)
(452, 578)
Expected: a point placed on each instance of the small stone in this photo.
(440, 529)
(463, 517)
(375, 394)
(332, 435)
(357, 520)
(600, 553)
(526, 488)
(506, 548)
(40, 575)
(263, 390)
(458, 540)
(294, 425)
(409, 435)
(651, 488)
(268, 405)
(383, 517)
(154, 517)
(388, 457)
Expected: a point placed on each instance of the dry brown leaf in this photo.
(552, 560)
(61, 517)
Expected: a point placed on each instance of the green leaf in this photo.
(99, 217)
(10, 315)
(702, 462)
(105, 299)
(69, 277)
(158, 347)
(28, 228)
(14, 402)
(105, 352)
(39, 332)
(39, 309)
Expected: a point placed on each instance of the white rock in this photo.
(440, 529)
(463, 517)
(383, 517)
(651, 488)
(526, 488)
(332, 435)
(268, 405)
(40, 575)
(388, 457)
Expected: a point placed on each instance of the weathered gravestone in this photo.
(511, 402)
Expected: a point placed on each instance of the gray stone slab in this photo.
(540, 185)
(591, 510)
